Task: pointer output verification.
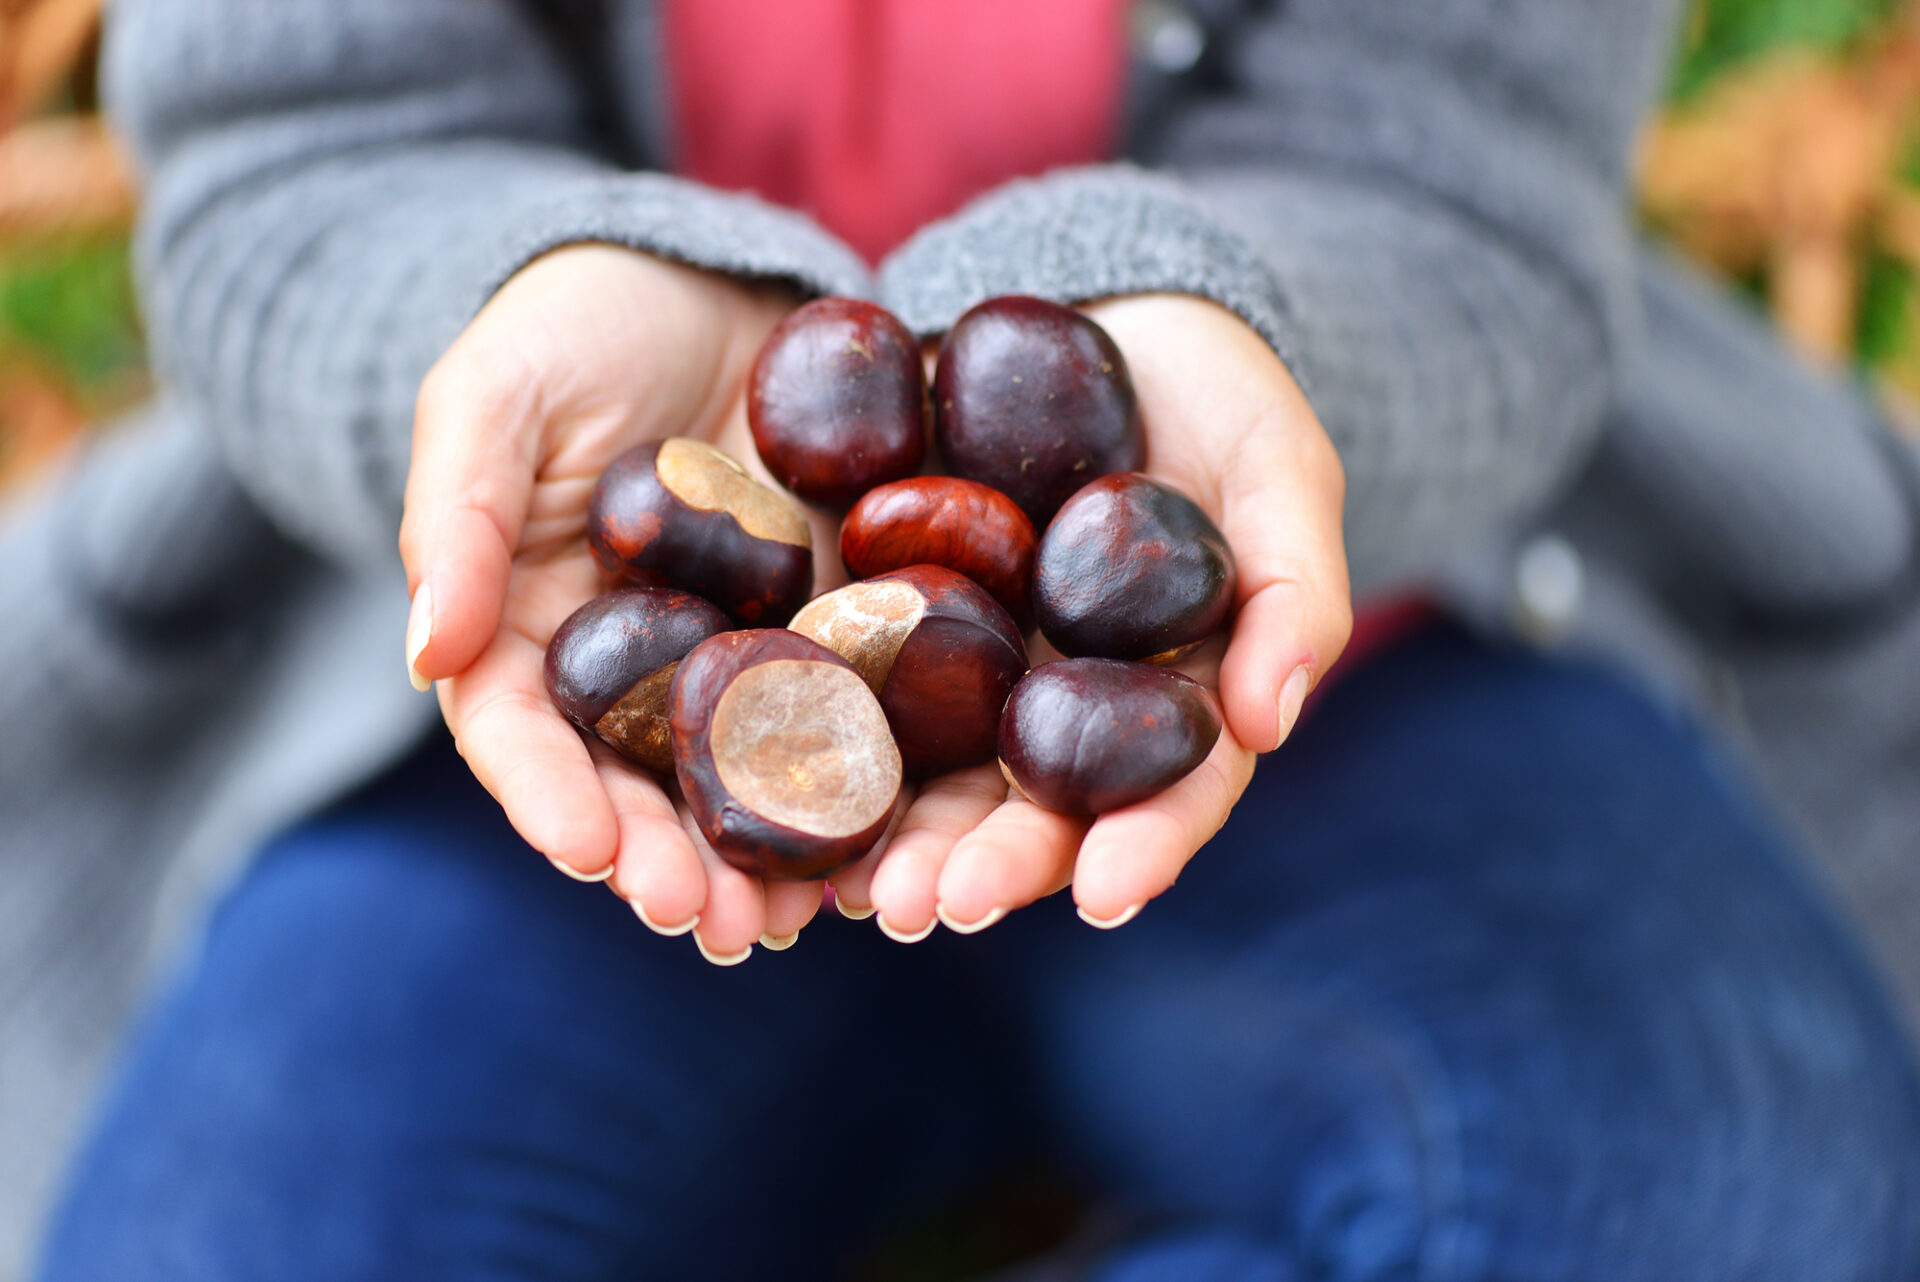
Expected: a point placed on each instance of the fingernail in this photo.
(640, 911)
(576, 874)
(968, 927)
(902, 938)
(419, 632)
(1110, 923)
(851, 913)
(1292, 695)
(779, 943)
(722, 959)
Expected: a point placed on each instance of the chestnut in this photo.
(1085, 736)
(937, 649)
(610, 664)
(837, 401)
(944, 520)
(1132, 569)
(682, 512)
(1035, 400)
(782, 753)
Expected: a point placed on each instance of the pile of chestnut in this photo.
(791, 724)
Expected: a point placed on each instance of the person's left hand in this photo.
(1227, 425)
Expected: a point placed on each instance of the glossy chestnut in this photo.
(963, 525)
(1085, 736)
(1131, 568)
(1035, 400)
(837, 401)
(939, 652)
(782, 753)
(609, 666)
(683, 512)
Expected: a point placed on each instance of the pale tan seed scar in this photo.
(639, 720)
(804, 744)
(865, 624)
(706, 478)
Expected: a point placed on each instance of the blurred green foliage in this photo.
(69, 305)
(1722, 34)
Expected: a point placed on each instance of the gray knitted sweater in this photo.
(1422, 207)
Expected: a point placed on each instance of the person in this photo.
(1495, 968)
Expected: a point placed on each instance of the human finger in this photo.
(1281, 513)
(469, 485)
(531, 759)
(1014, 856)
(904, 886)
(734, 915)
(1131, 855)
(657, 870)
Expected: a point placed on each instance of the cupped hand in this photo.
(584, 353)
(1226, 424)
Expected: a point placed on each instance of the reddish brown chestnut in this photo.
(1132, 569)
(1085, 736)
(838, 401)
(937, 649)
(681, 511)
(943, 520)
(1035, 400)
(782, 753)
(609, 666)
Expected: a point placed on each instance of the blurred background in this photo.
(1786, 158)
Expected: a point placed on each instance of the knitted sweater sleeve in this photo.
(335, 186)
(1421, 207)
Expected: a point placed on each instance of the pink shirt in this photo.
(876, 116)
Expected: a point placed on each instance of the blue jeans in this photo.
(1494, 974)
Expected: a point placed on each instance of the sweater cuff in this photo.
(1077, 235)
(728, 232)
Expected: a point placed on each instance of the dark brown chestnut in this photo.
(1132, 569)
(1035, 400)
(838, 401)
(1085, 736)
(610, 664)
(683, 512)
(782, 753)
(937, 649)
(943, 520)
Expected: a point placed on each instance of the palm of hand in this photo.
(544, 390)
(1227, 426)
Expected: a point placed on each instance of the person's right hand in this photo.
(584, 353)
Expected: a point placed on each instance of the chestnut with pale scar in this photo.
(1085, 736)
(683, 512)
(782, 753)
(938, 650)
(609, 666)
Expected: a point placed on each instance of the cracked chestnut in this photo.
(1035, 400)
(1085, 736)
(1132, 569)
(939, 652)
(943, 520)
(609, 666)
(680, 511)
(782, 753)
(838, 401)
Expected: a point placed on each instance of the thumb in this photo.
(1281, 512)
(475, 432)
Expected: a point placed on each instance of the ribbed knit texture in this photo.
(1420, 206)
(336, 186)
